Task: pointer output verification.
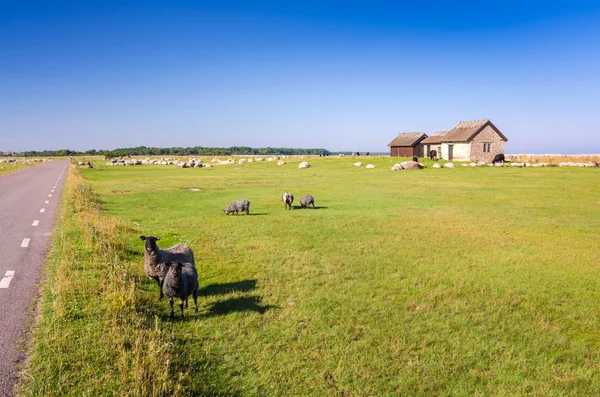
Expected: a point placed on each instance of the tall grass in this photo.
(472, 281)
(98, 334)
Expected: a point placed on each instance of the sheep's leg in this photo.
(172, 311)
(181, 307)
(160, 289)
(196, 300)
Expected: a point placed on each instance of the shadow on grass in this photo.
(245, 304)
(226, 288)
(298, 207)
(253, 214)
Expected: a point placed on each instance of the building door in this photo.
(450, 147)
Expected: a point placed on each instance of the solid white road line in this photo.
(8, 276)
(43, 210)
(25, 242)
(35, 223)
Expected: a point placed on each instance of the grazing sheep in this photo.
(303, 164)
(156, 261)
(238, 206)
(433, 154)
(181, 281)
(499, 158)
(288, 199)
(307, 200)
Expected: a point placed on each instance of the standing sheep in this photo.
(181, 281)
(238, 206)
(307, 200)
(156, 261)
(288, 199)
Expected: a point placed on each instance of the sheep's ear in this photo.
(143, 237)
(158, 239)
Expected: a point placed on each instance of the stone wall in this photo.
(488, 135)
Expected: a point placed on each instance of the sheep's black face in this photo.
(150, 243)
(176, 268)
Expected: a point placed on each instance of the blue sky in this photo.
(340, 75)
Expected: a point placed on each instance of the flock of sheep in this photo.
(174, 268)
(288, 198)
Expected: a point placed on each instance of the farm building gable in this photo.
(465, 131)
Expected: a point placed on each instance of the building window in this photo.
(487, 147)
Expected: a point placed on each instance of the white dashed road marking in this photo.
(52, 191)
(49, 195)
(8, 276)
(25, 242)
(35, 223)
(43, 210)
(46, 202)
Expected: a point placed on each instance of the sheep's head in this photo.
(150, 244)
(175, 268)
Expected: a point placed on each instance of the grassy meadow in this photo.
(463, 282)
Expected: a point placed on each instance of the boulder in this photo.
(370, 166)
(280, 162)
(411, 165)
(358, 164)
(303, 164)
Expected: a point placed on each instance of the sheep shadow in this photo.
(252, 214)
(317, 207)
(243, 304)
(226, 288)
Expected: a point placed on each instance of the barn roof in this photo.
(408, 139)
(435, 137)
(465, 131)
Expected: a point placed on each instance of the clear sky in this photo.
(340, 75)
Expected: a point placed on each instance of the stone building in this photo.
(468, 141)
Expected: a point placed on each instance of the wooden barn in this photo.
(407, 144)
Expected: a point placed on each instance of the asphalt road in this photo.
(28, 203)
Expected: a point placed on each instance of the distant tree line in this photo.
(179, 151)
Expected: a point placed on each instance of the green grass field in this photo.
(461, 282)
